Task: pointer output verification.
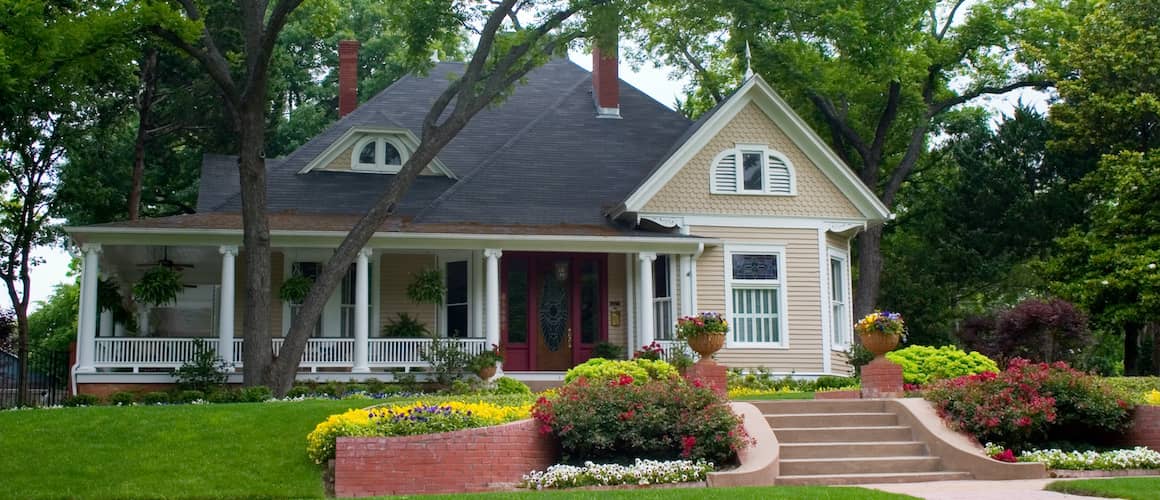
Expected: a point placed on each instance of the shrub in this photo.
(299, 391)
(225, 396)
(1030, 403)
(204, 372)
(832, 382)
(122, 398)
(256, 394)
(155, 398)
(447, 359)
(858, 356)
(607, 351)
(599, 370)
(187, 397)
(508, 385)
(81, 400)
(1038, 330)
(1133, 388)
(659, 419)
(375, 386)
(924, 364)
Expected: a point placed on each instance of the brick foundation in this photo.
(882, 378)
(470, 460)
(104, 390)
(1145, 429)
(710, 373)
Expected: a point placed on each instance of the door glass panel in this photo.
(457, 304)
(517, 301)
(589, 301)
(553, 311)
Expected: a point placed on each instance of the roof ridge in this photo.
(504, 148)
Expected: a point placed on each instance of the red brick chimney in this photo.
(606, 81)
(347, 76)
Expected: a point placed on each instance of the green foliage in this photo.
(427, 287)
(447, 359)
(924, 364)
(858, 356)
(158, 286)
(155, 398)
(598, 371)
(186, 397)
(1132, 388)
(122, 398)
(81, 400)
(204, 372)
(295, 288)
(508, 385)
(659, 419)
(486, 358)
(1038, 330)
(607, 350)
(256, 394)
(405, 326)
(760, 380)
(224, 395)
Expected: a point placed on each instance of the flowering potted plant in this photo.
(704, 332)
(653, 352)
(881, 331)
(483, 364)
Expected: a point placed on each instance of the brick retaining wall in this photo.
(451, 462)
(1145, 429)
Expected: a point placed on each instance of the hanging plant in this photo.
(427, 287)
(158, 286)
(295, 288)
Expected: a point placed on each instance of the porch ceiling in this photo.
(129, 262)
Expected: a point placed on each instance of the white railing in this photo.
(166, 353)
(671, 346)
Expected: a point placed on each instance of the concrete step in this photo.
(865, 434)
(852, 450)
(820, 406)
(865, 465)
(837, 479)
(831, 419)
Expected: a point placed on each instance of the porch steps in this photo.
(838, 442)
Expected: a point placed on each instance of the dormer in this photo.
(378, 153)
(752, 169)
(368, 150)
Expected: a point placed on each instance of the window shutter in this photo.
(725, 174)
(779, 177)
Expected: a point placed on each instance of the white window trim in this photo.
(848, 320)
(380, 155)
(738, 151)
(780, 284)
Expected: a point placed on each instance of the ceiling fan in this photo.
(166, 263)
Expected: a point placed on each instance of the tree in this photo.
(503, 55)
(874, 75)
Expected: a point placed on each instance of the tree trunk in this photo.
(144, 107)
(258, 353)
(22, 354)
(1131, 349)
(869, 271)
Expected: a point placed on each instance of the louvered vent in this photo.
(779, 176)
(725, 174)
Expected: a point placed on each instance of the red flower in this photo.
(1005, 456)
(628, 415)
(625, 379)
(687, 444)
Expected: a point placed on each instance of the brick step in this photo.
(820, 406)
(852, 450)
(865, 465)
(831, 419)
(866, 434)
(839, 479)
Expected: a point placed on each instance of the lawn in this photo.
(250, 450)
(1131, 488)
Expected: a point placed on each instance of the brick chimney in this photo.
(606, 80)
(347, 76)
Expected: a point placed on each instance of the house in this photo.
(578, 211)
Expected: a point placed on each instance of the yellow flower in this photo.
(1152, 398)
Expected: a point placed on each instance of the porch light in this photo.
(561, 270)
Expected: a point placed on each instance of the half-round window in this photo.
(391, 154)
(379, 154)
(367, 155)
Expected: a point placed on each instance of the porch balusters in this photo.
(226, 310)
(361, 312)
(86, 334)
(645, 273)
(492, 256)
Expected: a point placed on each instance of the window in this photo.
(663, 298)
(380, 154)
(191, 314)
(309, 270)
(755, 296)
(457, 303)
(840, 322)
(754, 170)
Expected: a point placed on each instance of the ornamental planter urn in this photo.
(707, 343)
(879, 343)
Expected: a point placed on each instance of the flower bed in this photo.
(642, 472)
(1136, 458)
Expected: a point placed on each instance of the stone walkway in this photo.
(1026, 489)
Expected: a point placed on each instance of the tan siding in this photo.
(688, 190)
(839, 365)
(837, 241)
(276, 272)
(397, 272)
(342, 161)
(803, 296)
(617, 334)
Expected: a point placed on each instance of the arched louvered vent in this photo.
(780, 178)
(725, 174)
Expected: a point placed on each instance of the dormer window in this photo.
(379, 154)
(752, 169)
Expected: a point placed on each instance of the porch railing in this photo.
(168, 353)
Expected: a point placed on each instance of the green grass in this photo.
(779, 492)
(1121, 487)
(774, 396)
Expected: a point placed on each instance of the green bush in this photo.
(81, 400)
(622, 420)
(186, 397)
(205, 372)
(225, 396)
(599, 370)
(256, 394)
(1133, 388)
(122, 398)
(760, 380)
(375, 386)
(923, 364)
(299, 391)
(826, 382)
(155, 398)
(607, 351)
(448, 360)
(508, 385)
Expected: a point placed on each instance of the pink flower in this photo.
(687, 444)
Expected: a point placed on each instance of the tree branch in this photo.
(950, 18)
(939, 107)
(893, 96)
(217, 67)
(838, 122)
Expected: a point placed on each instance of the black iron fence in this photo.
(47, 379)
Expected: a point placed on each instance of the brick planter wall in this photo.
(1145, 429)
(882, 378)
(451, 462)
(708, 372)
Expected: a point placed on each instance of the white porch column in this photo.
(645, 272)
(87, 329)
(492, 256)
(362, 305)
(226, 309)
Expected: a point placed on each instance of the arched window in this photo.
(379, 154)
(752, 169)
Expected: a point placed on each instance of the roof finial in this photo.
(748, 62)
